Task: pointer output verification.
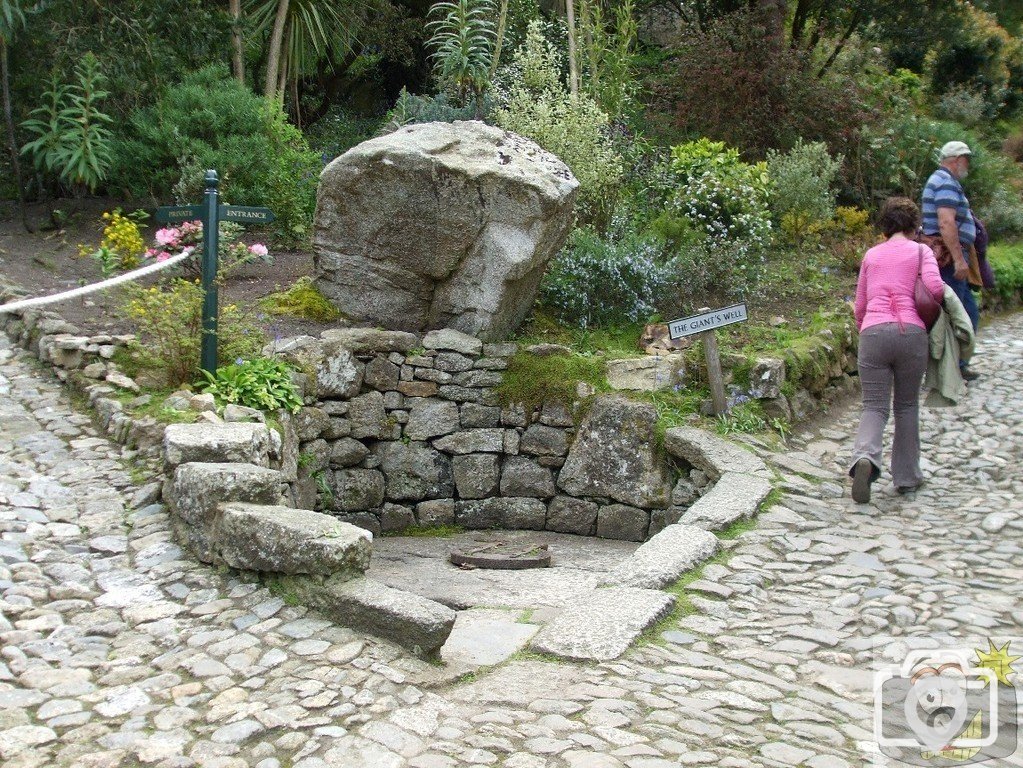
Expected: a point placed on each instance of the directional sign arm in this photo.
(245, 214)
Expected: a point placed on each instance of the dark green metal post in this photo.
(210, 305)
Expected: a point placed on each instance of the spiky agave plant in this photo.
(462, 36)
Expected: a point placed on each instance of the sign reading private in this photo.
(172, 214)
(707, 321)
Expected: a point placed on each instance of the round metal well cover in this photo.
(501, 555)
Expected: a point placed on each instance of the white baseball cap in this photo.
(954, 149)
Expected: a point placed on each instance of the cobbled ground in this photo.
(118, 650)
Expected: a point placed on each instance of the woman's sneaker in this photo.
(862, 472)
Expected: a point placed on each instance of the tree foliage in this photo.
(462, 39)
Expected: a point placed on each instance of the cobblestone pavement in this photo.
(117, 650)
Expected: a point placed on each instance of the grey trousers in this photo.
(889, 355)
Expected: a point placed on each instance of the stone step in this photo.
(735, 496)
(711, 454)
(367, 605)
(276, 539)
(247, 443)
(601, 625)
(196, 491)
(663, 559)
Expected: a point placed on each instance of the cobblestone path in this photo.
(118, 650)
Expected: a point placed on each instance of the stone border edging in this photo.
(606, 621)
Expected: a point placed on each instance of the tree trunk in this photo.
(273, 63)
(502, 22)
(573, 64)
(296, 105)
(237, 57)
(11, 139)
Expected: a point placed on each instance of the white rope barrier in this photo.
(85, 290)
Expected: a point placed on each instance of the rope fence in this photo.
(85, 290)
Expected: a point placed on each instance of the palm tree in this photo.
(12, 19)
(301, 33)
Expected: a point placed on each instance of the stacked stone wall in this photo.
(413, 433)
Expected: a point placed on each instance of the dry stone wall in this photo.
(402, 430)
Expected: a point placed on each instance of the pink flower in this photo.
(167, 236)
(258, 249)
(162, 256)
(150, 253)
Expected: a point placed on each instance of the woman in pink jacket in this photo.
(893, 348)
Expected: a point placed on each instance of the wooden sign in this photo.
(245, 214)
(172, 214)
(707, 320)
(705, 323)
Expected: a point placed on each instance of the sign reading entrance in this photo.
(246, 214)
(707, 321)
(210, 212)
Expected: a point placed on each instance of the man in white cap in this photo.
(948, 225)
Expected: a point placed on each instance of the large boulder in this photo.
(441, 225)
(614, 455)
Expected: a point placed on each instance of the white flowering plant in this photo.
(600, 282)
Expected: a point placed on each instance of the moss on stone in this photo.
(532, 379)
(302, 299)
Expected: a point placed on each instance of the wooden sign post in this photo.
(705, 324)
(210, 213)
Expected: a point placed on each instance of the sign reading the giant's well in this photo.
(707, 321)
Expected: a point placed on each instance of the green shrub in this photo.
(210, 120)
(1007, 263)
(802, 200)
(726, 199)
(72, 138)
(601, 281)
(462, 36)
(168, 320)
(897, 156)
(538, 105)
(260, 383)
(411, 108)
(1003, 214)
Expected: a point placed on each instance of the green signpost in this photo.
(210, 213)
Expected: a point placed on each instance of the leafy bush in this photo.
(72, 140)
(598, 282)
(536, 104)
(965, 106)
(411, 108)
(462, 37)
(724, 198)
(1003, 214)
(724, 82)
(848, 235)
(607, 55)
(168, 320)
(981, 57)
(260, 383)
(1007, 263)
(896, 157)
(188, 236)
(122, 246)
(210, 120)
(801, 197)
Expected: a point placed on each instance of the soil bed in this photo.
(47, 262)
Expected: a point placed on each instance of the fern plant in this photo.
(72, 138)
(462, 36)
